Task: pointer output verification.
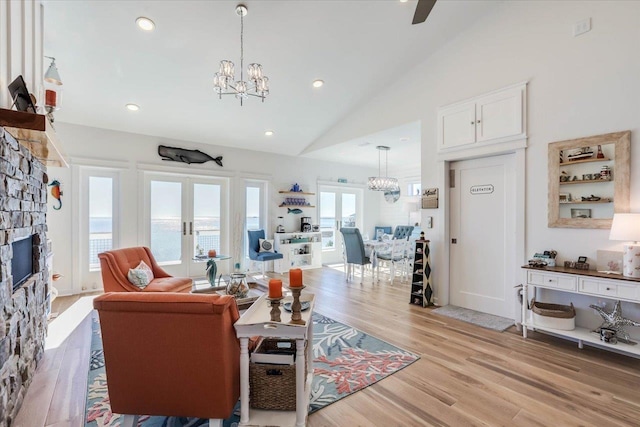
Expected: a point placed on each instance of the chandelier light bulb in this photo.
(254, 71)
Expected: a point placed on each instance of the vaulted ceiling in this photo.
(358, 48)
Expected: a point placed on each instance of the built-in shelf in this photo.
(297, 192)
(575, 162)
(35, 132)
(296, 206)
(581, 202)
(584, 181)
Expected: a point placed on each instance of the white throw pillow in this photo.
(140, 276)
(266, 245)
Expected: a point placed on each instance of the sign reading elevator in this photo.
(481, 189)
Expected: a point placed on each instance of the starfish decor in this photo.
(615, 321)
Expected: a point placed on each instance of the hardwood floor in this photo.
(466, 375)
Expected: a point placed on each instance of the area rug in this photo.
(485, 320)
(346, 360)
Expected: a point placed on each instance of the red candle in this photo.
(295, 278)
(50, 98)
(275, 288)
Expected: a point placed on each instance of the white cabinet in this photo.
(578, 282)
(299, 250)
(492, 118)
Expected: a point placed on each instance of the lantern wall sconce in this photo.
(52, 89)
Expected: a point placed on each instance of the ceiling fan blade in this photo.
(422, 11)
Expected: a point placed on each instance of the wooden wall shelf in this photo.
(35, 132)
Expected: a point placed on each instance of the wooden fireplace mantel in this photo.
(35, 132)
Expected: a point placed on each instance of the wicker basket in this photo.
(273, 387)
(554, 316)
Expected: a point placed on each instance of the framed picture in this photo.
(430, 198)
(564, 197)
(580, 213)
(609, 262)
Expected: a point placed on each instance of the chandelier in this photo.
(383, 183)
(224, 81)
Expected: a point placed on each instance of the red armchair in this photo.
(170, 354)
(115, 266)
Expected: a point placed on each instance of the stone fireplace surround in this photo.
(23, 313)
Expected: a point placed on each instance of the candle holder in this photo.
(296, 307)
(275, 309)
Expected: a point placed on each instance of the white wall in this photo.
(578, 86)
(20, 46)
(133, 153)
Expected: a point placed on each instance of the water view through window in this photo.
(100, 218)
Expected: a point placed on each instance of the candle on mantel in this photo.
(275, 288)
(50, 98)
(295, 278)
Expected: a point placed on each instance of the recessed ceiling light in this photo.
(268, 132)
(318, 83)
(132, 107)
(145, 23)
(403, 1)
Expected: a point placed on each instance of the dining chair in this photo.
(382, 229)
(395, 256)
(403, 232)
(354, 250)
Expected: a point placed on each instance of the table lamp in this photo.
(626, 226)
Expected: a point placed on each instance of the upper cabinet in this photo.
(496, 117)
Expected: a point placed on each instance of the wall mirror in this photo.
(589, 180)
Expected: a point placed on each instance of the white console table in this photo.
(256, 321)
(584, 282)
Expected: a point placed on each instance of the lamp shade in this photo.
(52, 75)
(626, 227)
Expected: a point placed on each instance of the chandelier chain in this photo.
(241, 46)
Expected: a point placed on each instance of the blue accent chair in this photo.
(254, 249)
(403, 232)
(354, 251)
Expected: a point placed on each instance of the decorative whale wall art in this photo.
(186, 156)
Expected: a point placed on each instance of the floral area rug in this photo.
(346, 360)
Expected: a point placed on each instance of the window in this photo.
(414, 189)
(255, 211)
(100, 218)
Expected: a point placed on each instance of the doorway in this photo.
(339, 207)
(482, 234)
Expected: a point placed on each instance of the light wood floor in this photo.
(466, 375)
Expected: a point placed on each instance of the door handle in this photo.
(184, 228)
(190, 228)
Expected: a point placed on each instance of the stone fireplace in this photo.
(23, 312)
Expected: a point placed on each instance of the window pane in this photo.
(415, 189)
(166, 221)
(348, 210)
(252, 220)
(328, 219)
(100, 218)
(206, 218)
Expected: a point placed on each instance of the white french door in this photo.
(185, 217)
(339, 207)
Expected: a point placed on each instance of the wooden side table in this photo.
(256, 321)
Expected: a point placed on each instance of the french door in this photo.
(185, 217)
(339, 207)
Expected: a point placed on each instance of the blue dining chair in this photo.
(385, 230)
(354, 251)
(254, 249)
(403, 232)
